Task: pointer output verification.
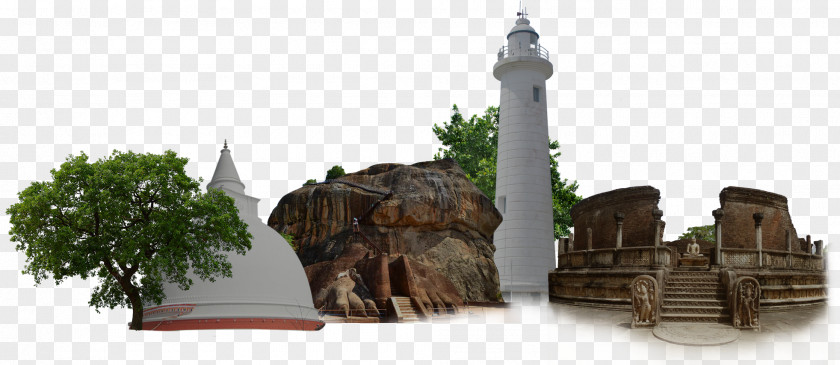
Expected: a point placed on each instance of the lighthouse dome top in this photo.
(523, 25)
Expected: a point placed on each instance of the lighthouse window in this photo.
(536, 94)
(501, 204)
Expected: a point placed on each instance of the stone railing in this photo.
(618, 257)
(739, 257)
(807, 261)
(771, 259)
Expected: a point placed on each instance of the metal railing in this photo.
(536, 51)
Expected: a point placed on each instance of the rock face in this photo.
(429, 212)
(595, 215)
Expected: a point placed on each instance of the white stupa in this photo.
(525, 239)
(268, 289)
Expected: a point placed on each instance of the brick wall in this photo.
(738, 226)
(596, 212)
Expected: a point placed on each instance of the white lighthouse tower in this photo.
(525, 239)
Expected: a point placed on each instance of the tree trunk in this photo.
(137, 310)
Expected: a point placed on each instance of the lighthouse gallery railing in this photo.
(537, 51)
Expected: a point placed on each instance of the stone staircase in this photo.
(409, 313)
(694, 296)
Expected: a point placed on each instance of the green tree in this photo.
(310, 182)
(335, 172)
(134, 221)
(706, 233)
(474, 145)
(563, 196)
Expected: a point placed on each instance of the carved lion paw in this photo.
(350, 298)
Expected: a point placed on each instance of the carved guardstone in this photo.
(644, 291)
(744, 303)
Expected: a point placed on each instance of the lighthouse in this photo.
(525, 239)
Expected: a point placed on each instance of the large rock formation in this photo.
(429, 212)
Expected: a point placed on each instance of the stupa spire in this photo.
(225, 175)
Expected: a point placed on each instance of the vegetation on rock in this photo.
(335, 172)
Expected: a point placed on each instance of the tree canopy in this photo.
(474, 144)
(335, 172)
(706, 233)
(132, 220)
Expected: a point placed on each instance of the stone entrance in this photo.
(695, 297)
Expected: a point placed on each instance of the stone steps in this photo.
(695, 309)
(695, 318)
(695, 297)
(407, 309)
(683, 285)
(702, 302)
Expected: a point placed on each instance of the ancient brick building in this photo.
(756, 255)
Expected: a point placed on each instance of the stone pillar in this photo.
(382, 291)
(819, 245)
(758, 217)
(619, 221)
(718, 214)
(571, 242)
(657, 216)
(589, 239)
(810, 246)
(789, 247)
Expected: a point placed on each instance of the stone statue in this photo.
(693, 248)
(644, 295)
(745, 296)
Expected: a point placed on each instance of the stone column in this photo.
(758, 217)
(718, 214)
(589, 239)
(619, 221)
(808, 239)
(571, 242)
(657, 216)
(562, 247)
(382, 291)
(819, 245)
(789, 247)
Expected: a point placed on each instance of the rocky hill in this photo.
(429, 212)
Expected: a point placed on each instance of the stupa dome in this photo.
(268, 288)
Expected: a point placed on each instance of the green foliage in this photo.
(309, 182)
(474, 145)
(335, 172)
(290, 239)
(706, 233)
(131, 220)
(563, 196)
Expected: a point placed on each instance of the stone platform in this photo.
(696, 334)
(694, 261)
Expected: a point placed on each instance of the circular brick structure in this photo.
(596, 214)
